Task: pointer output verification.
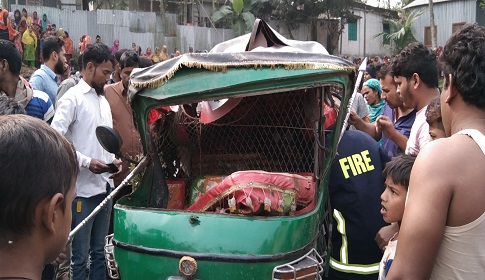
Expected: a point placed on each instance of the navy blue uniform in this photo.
(356, 184)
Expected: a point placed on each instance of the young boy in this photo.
(38, 168)
(397, 173)
(433, 118)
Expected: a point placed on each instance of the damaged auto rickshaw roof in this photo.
(263, 48)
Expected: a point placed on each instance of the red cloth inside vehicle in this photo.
(260, 193)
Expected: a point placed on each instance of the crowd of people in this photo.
(80, 103)
(28, 33)
(431, 201)
(156, 56)
(430, 191)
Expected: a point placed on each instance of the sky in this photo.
(382, 3)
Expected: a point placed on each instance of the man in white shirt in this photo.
(416, 75)
(80, 111)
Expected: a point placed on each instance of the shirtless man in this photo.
(442, 231)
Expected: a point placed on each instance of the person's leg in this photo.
(99, 232)
(81, 208)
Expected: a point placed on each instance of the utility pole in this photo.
(162, 8)
(433, 27)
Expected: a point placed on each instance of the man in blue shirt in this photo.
(394, 125)
(396, 119)
(45, 79)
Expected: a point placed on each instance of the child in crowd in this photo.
(38, 168)
(397, 173)
(433, 118)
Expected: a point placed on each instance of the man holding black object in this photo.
(80, 111)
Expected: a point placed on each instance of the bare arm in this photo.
(385, 234)
(425, 215)
(363, 126)
(385, 124)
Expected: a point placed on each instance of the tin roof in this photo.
(418, 3)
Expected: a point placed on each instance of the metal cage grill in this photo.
(273, 132)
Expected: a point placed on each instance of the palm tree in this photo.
(240, 13)
(401, 32)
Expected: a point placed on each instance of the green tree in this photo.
(333, 11)
(482, 4)
(401, 32)
(106, 4)
(315, 14)
(241, 13)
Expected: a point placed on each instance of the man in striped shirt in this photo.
(36, 103)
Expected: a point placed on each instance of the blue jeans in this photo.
(90, 239)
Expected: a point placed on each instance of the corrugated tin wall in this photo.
(445, 14)
(143, 28)
(480, 15)
(369, 24)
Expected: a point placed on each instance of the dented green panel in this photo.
(150, 242)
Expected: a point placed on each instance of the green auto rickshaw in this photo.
(233, 181)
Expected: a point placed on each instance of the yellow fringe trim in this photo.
(222, 67)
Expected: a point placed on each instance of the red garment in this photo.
(251, 190)
(18, 43)
(87, 40)
(36, 19)
(155, 114)
(68, 45)
(4, 21)
(5, 25)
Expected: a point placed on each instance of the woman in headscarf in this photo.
(148, 53)
(371, 90)
(28, 19)
(115, 47)
(22, 26)
(17, 40)
(68, 46)
(44, 22)
(36, 19)
(156, 57)
(29, 39)
(86, 41)
(36, 28)
(4, 23)
(17, 17)
(80, 43)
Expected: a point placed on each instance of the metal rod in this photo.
(103, 203)
(351, 101)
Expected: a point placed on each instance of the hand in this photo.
(67, 71)
(98, 166)
(385, 234)
(384, 124)
(353, 118)
(118, 164)
(60, 259)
